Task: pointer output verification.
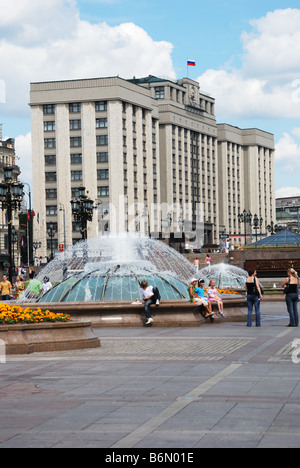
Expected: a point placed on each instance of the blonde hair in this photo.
(293, 272)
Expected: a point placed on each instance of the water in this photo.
(226, 276)
(110, 269)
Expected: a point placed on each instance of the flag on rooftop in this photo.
(191, 63)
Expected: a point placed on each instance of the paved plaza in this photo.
(220, 385)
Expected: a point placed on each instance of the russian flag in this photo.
(191, 63)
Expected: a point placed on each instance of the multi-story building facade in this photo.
(246, 178)
(147, 150)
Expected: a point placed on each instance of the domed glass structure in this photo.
(111, 269)
(225, 276)
(118, 284)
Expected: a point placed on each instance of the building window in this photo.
(50, 160)
(50, 176)
(51, 210)
(49, 109)
(103, 192)
(101, 123)
(76, 176)
(75, 107)
(75, 142)
(102, 174)
(50, 143)
(102, 157)
(76, 158)
(75, 124)
(52, 243)
(101, 106)
(51, 194)
(102, 140)
(49, 126)
(160, 92)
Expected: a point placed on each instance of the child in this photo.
(197, 296)
(151, 296)
(214, 298)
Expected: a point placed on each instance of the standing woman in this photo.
(291, 286)
(254, 297)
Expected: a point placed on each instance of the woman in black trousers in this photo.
(291, 286)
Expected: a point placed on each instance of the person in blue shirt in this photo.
(202, 300)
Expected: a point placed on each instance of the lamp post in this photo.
(11, 195)
(36, 245)
(245, 218)
(257, 223)
(82, 210)
(51, 234)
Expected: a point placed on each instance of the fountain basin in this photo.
(170, 313)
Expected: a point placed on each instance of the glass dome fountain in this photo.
(226, 276)
(111, 269)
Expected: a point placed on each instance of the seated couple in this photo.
(196, 292)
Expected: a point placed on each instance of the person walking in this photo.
(151, 296)
(291, 289)
(254, 296)
(197, 264)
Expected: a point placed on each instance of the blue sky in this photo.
(247, 54)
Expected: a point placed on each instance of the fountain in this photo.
(226, 276)
(111, 269)
(99, 280)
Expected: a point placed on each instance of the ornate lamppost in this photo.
(51, 234)
(11, 195)
(245, 218)
(82, 210)
(257, 223)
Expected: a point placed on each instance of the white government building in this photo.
(152, 155)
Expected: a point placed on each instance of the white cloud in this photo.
(286, 192)
(52, 43)
(288, 153)
(268, 82)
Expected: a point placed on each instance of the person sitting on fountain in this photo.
(199, 298)
(214, 298)
(151, 296)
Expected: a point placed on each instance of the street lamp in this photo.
(257, 223)
(82, 210)
(51, 234)
(245, 218)
(11, 195)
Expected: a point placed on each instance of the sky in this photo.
(247, 54)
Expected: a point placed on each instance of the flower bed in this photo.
(10, 315)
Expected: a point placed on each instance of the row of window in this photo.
(51, 194)
(49, 126)
(76, 142)
(76, 158)
(77, 175)
(75, 107)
